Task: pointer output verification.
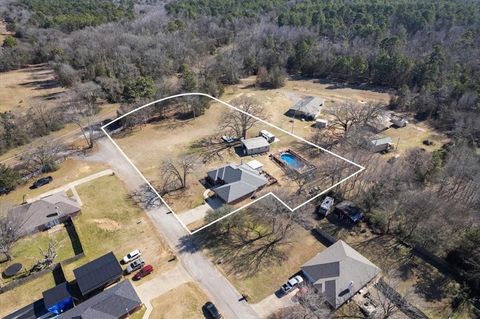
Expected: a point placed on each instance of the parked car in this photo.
(131, 256)
(228, 139)
(42, 181)
(349, 211)
(4, 191)
(212, 310)
(292, 283)
(145, 271)
(135, 265)
(326, 206)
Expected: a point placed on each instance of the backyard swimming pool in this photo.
(292, 160)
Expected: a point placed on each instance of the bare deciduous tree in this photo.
(175, 172)
(349, 114)
(239, 122)
(84, 109)
(10, 226)
(43, 158)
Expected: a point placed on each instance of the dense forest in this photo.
(427, 52)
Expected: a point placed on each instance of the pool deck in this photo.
(306, 167)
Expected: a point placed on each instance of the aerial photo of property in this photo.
(239, 159)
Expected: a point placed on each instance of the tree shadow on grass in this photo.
(431, 284)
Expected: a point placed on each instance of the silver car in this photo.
(135, 265)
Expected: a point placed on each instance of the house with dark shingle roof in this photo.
(339, 272)
(235, 182)
(116, 302)
(98, 274)
(44, 213)
(307, 108)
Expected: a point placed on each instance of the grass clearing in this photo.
(183, 302)
(68, 171)
(413, 135)
(109, 221)
(23, 88)
(303, 246)
(25, 294)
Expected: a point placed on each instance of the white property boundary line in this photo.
(361, 168)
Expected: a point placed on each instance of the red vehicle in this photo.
(146, 270)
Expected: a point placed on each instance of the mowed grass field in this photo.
(183, 302)
(109, 221)
(68, 171)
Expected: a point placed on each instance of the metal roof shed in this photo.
(255, 145)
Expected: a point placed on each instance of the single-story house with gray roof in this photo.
(307, 108)
(116, 302)
(235, 182)
(44, 213)
(339, 272)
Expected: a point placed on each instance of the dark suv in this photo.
(212, 310)
(42, 181)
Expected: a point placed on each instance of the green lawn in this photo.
(109, 221)
(28, 250)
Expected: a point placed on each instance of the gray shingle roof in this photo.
(239, 180)
(309, 105)
(341, 270)
(44, 210)
(111, 303)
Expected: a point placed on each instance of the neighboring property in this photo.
(380, 123)
(255, 145)
(235, 182)
(339, 272)
(58, 299)
(349, 211)
(307, 108)
(45, 213)
(398, 121)
(98, 274)
(116, 302)
(267, 135)
(380, 144)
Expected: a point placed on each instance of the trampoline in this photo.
(12, 270)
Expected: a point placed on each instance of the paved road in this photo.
(217, 287)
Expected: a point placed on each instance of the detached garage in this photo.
(256, 145)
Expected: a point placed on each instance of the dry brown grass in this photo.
(25, 294)
(269, 278)
(183, 302)
(23, 88)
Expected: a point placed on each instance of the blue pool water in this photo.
(291, 160)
